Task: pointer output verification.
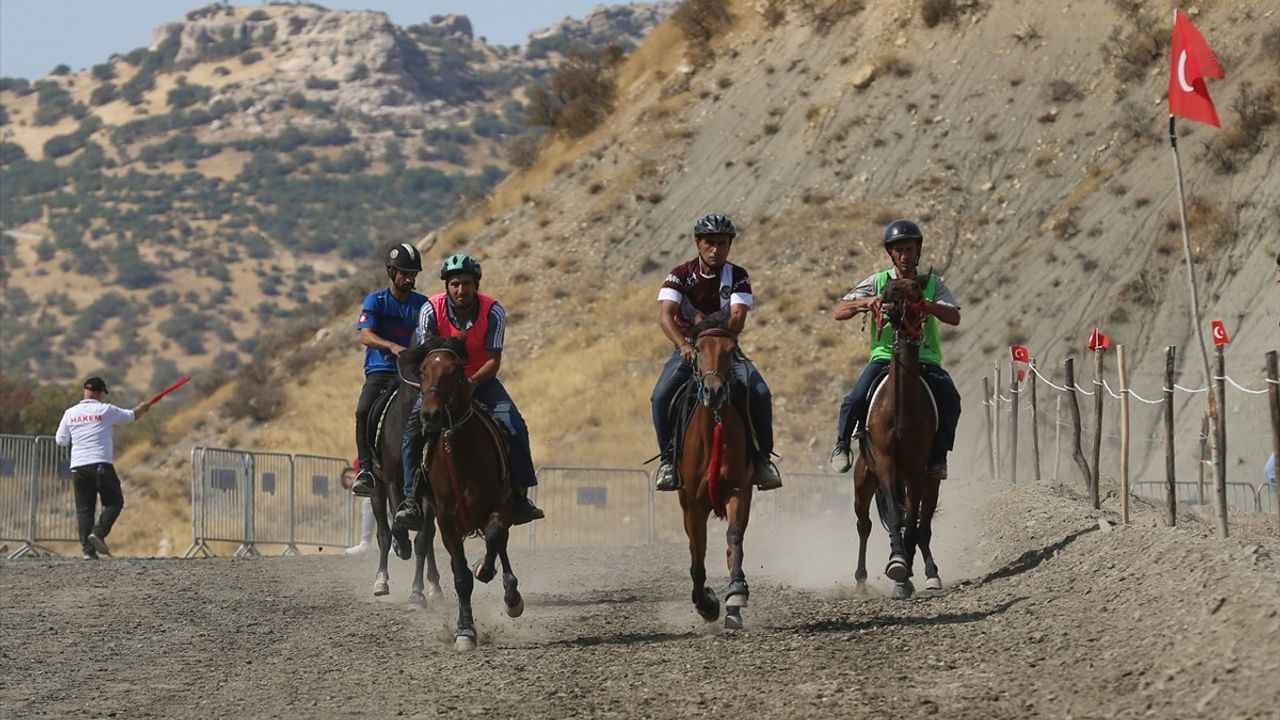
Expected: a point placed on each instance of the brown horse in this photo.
(716, 468)
(465, 463)
(901, 422)
(388, 492)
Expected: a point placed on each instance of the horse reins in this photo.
(446, 435)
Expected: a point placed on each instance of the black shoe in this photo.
(664, 478)
(99, 544)
(363, 486)
(525, 511)
(409, 516)
(936, 470)
(767, 477)
(841, 458)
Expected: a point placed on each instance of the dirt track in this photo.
(1057, 619)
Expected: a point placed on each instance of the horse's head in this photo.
(445, 391)
(903, 307)
(715, 344)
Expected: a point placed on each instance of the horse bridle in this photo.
(702, 375)
(911, 330)
(447, 400)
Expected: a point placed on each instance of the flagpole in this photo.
(1220, 510)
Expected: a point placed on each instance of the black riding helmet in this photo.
(714, 224)
(902, 230)
(405, 258)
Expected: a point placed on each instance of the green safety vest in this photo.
(882, 342)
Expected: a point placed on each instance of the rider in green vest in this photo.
(903, 241)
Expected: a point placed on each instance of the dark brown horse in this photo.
(901, 422)
(716, 468)
(389, 489)
(470, 491)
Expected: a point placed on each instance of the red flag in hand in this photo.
(1098, 341)
(1190, 62)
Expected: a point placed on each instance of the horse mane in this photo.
(718, 320)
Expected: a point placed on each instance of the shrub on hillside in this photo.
(579, 95)
(1132, 47)
(184, 95)
(257, 395)
(61, 69)
(1059, 91)
(250, 57)
(11, 152)
(933, 12)
(104, 71)
(522, 151)
(103, 94)
(315, 83)
(258, 16)
(1229, 150)
(824, 14)
(21, 86)
(700, 21)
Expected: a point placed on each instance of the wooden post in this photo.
(1013, 424)
(1273, 394)
(1204, 453)
(995, 406)
(1219, 389)
(1035, 425)
(1098, 392)
(1057, 438)
(991, 450)
(1124, 434)
(1170, 483)
(1077, 452)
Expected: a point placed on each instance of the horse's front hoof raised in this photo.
(417, 598)
(903, 590)
(402, 549)
(733, 618)
(897, 570)
(464, 643)
(484, 573)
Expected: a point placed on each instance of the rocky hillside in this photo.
(187, 197)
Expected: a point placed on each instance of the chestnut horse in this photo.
(466, 468)
(388, 488)
(716, 467)
(900, 425)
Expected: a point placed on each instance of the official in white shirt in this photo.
(87, 427)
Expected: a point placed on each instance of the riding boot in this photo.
(937, 469)
(409, 515)
(767, 477)
(665, 478)
(841, 458)
(524, 510)
(363, 486)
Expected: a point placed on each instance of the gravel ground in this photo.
(1047, 613)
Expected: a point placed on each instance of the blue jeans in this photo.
(676, 373)
(854, 405)
(494, 396)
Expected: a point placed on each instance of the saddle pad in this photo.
(879, 385)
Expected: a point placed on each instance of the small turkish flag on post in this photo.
(1219, 333)
(1020, 353)
(1190, 62)
(1098, 341)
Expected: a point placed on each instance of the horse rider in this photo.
(387, 321)
(461, 311)
(903, 241)
(707, 284)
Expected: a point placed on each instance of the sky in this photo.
(38, 35)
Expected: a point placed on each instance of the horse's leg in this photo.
(928, 504)
(899, 567)
(381, 579)
(428, 539)
(904, 588)
(463, 582)
(510, 585)
(864, 484)
(695, 526)
(738, 594)
(495, 533)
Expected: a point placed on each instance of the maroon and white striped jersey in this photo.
(705, 294)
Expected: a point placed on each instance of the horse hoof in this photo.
(434, 591)
(417, 598)
(484, 573)
(464, 643)
(381, 588)
(710, 609)
(933, 583)
(732, 619)
(903, 590)
(516, 609)
(736, 601)
(897, 570)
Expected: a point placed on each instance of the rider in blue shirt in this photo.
(387, 321)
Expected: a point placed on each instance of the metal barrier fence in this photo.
(264, 498)
(1241, 496)
(36, 494)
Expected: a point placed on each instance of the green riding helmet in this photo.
(459, 263)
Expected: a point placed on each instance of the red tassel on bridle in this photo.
(713, 469)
